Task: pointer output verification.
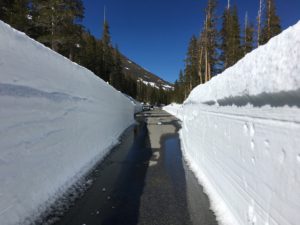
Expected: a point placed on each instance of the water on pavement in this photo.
(144, 181)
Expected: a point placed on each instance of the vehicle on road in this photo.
(146, 107)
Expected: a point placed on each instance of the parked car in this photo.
(146, 107)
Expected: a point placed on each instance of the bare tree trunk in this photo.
(206, 65)
(200, 65)
(259, 22)
(71, 54)
(209, 71)
(52, 32)
(206, 47)
(269, 19)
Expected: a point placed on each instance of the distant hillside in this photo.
(134, 70)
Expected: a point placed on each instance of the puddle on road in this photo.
(123, 191)
(197, 202)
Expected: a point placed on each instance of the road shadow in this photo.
(115, 186)
(130, 184)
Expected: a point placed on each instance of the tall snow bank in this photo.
(174, 109)
(241, 135)
(271, 68)
(56, 120)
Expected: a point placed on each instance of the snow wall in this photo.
(241, 135)
(57, 119)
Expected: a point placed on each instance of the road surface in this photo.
(143, 181)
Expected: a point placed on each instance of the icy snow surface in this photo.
(241, 134)
(56, 120)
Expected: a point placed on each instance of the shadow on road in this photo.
(143, 181)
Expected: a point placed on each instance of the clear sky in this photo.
(155, 33)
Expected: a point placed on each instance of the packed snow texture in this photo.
(57, 119)
(241, 134)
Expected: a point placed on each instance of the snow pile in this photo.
(138, 107)
(241, 135)
(56, 120)
(271, 68)
(174, 109)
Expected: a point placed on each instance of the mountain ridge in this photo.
(134, 70)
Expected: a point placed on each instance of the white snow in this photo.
(152, 84)
(167, 87)
(261, 71)
(241, 134)
(57, 119)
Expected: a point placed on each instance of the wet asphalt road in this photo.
(144, 181)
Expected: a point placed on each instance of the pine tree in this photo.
(5, 9)
(117, 75)
(230, 37)
(191, 70)
(248, 40)
(56, 21)
(237, 53)
(272, 25)
(210, 39)
(107, 52)
(226, 37)
(182, 88)
(73, 30)
(16, 13)
(19, 16)
(88, 54)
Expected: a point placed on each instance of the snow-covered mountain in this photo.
(141, 74)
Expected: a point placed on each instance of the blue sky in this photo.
(155, 33)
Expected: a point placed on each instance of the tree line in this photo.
(218, 49)
(57, 24)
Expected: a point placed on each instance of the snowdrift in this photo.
(241, 134)
(57, 119)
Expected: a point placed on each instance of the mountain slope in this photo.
(139, 73)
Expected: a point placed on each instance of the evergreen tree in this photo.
(226, 37)
(237, 53)
(272, 25)
(16, 13)
(191, 70)
(19, 16)
(182, 88)
(230, 38)
(88, 54)
(210, 34)
(117, 75)
(248, 39)
(107, 52)
(56, 20)
(5, 9)
(73, 30)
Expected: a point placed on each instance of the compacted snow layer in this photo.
(241, 134)
(57, 119)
